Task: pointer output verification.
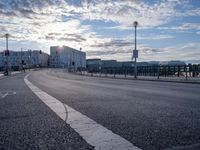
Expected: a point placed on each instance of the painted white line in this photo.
(92, 132)
(3, 94)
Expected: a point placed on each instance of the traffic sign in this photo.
(135, 54)
(7, 53)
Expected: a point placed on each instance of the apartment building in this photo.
(67, 57)
(29, 59)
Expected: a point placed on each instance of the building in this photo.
(172, 63)
(110, 63)
(29, 59)
(67, 57)
(94, 64)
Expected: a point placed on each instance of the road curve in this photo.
(151, 115)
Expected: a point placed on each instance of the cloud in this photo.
(186, 52)
(125, 12)
(189, 12)
(72, 37)
(156, 37)
(32, 19)
(65, 37)
(119, 51)
(113, 43)
(183, 26)
(51, 22)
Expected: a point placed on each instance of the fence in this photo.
(154, 70)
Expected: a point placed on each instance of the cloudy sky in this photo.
(168, 29)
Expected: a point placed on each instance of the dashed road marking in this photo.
(92, 132)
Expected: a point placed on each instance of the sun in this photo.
(60, 44)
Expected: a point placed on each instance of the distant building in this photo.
(109, 63)
(67, 57)
(93, 64)
(172, 63)
(97, 64)
(94, 61)
(31, 58)
(127, 63)
(153, 63)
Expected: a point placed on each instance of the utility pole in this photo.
(135, 51)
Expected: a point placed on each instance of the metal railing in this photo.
(157, 71)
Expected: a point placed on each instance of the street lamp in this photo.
(81, 58)
(7, 53)
(7, 35)
(21, 59)
(135, 51)
(30, 64)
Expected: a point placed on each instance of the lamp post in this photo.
(30, 64)
(135, 51)
(6, 35)
(7, 53)
(21, 59)
(81, 61)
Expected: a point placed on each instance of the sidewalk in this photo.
(12, 74)
(15, 72)
(149, 78)
(1, 75)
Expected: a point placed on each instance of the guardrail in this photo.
(184, 72)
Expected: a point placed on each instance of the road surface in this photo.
(150, 115)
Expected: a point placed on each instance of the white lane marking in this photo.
(3, 94)
(92, 132)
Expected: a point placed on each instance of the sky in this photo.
(167, 29)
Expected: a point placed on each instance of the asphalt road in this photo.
(27, 123)
(151, 115)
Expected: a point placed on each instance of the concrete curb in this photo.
(14, 74)
(1, 76)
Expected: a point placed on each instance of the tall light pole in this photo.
(7, 53)
(135, 51)
(21, 59)
(29, 58)
(81, 60)
(7, 35)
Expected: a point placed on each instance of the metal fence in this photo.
(154, 70)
